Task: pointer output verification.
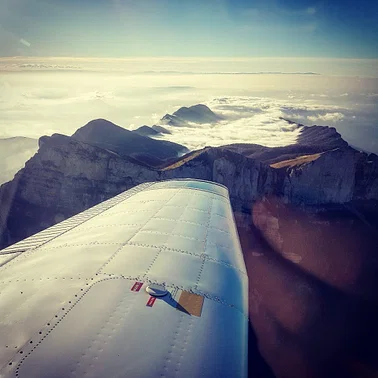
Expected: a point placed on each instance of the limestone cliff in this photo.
(67, 176)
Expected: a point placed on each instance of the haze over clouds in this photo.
(36, 100)
(196, 65)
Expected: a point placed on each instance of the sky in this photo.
(185, 28)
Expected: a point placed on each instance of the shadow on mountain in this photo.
(129, 144)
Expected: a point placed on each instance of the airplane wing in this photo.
(151, 283)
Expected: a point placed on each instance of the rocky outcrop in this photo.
(67, 176)
(245, 178)
(328, 177)
(311, 140)
(321, 136)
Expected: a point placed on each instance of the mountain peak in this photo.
(79, 174)
(108, 136)
(196, 114)
(146, 131)
(98, 129)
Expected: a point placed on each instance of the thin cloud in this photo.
(25, 42)
(327, 117)
(253, 120)
(311, 10)
(251, 104)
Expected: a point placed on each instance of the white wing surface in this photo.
(78, 299)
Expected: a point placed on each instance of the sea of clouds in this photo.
(41, 97)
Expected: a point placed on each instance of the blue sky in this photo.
(224, 28)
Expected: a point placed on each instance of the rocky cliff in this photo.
(68, 175)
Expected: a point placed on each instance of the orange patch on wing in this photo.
(190, 303)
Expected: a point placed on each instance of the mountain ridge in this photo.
(68, 175)
(106, 135)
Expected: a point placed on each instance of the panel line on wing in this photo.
(185, 240)
(168, 359)
(157, 255)
(202, 255)
(152, 263)
(130, 238)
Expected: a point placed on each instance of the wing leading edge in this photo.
(76, 304)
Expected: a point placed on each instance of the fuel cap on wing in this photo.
(156, 290)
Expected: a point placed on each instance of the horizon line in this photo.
(221, 58)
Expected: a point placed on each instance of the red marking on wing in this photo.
(137, 286)
(151, 301)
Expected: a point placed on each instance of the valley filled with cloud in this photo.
(40, 97)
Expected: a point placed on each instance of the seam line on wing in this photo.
(195, 223)
(157, 255)
(203, 255)
(131, 237)
(168, 359)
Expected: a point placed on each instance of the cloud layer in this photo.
(35, 103)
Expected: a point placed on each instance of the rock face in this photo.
(328, 177)
(246, 179)
(324, 136)
(68, 175)
(63, 178)
(196, 114)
